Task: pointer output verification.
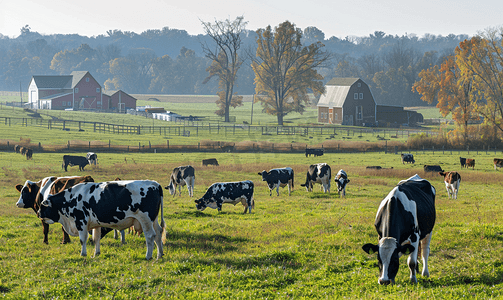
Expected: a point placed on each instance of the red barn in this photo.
(77, 91)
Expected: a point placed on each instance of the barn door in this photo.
(122, 107)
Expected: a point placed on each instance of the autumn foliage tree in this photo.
(226, 62)
(285, 70)
(453, 92)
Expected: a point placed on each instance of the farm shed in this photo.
(392, 116)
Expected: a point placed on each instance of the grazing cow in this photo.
(29, 154)
(318, 173)
(470, 162)
(17, 149)
(404, 223)
(432, 168)
(72, 160)
(92, 158)
(227, 192)
(373, 167)
(33, 193)
(112, 204)
(407, 158)
(314, 152)
(462, 160)
(452, 181)
(341, 179)
(277, 178)
(23, 150)
(498, 163)
(181, 176)
(210, 161)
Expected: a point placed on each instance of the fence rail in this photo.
(195, 129)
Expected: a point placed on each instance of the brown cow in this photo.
(470, 162)
(452, 182)
(33, 193)
(498, 163)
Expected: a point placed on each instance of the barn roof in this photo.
(53, 81)
(334, 96)
(77, 77)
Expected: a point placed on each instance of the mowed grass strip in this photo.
(307, 245)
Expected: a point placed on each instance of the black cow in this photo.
(314, 152)
(113, 204)
(462, 161)
(180, 176)
(318, 173)
(228, 192)
(404, 221)
(277, 178)
(29, 154)
(210, 161)
(432, 168)
(92, 158)
(72, 160)
(17, 149)
(407, 158)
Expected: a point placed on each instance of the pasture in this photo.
(304, 246)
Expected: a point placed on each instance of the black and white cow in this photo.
(92, 158)
(407, 158)
(114, 204)
(72, 160)
(227, 192)
(318, 173)
(341, 179)
(180, 176)
(277, 178)
(404, 223)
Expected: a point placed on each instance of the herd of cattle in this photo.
(404, 219)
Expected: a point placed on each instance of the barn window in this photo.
(361, 95)
(97, 90)
(69, 103)
(87, 79)
(64, 103)
(76, 90)
(359, 84)
(336, 117)
(356, 96)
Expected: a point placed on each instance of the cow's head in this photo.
(28, 195)
(264, 175)
(171, 188)
(388, 253)
(48, 211)
(200, 204)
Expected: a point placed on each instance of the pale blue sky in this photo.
(334, 18)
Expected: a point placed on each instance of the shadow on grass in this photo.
(216, 243)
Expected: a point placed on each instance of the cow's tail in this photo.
(292, 178)
(162, 223)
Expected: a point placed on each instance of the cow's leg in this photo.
(412, 262)
(116, 234)
(123, 237)
(46, 232)
(66, 237)
(83, 239)
(96, 240)
(425, 252)
(179, 190)
(150, 235)
(277, 188)
(289, 187)
(158, 238)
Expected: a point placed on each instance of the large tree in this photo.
(226, 62)
(480, 59)
(285, 70)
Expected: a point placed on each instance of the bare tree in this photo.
(226, 62)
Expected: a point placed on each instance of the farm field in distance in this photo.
(307, 245)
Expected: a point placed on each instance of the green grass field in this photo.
(303, 246)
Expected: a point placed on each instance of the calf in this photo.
(277, 178)
(33, 193)
(407, 158)
(470, 163)
(404, 223)
(92, 158)
(318, 173)
(498, 163)
(181, 176)
(452, 182)
(227, 192)
(210, 161)
(113, 204)
(72, 160)
(432, 168)
(341, 179)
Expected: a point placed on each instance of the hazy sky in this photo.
(338, 18)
